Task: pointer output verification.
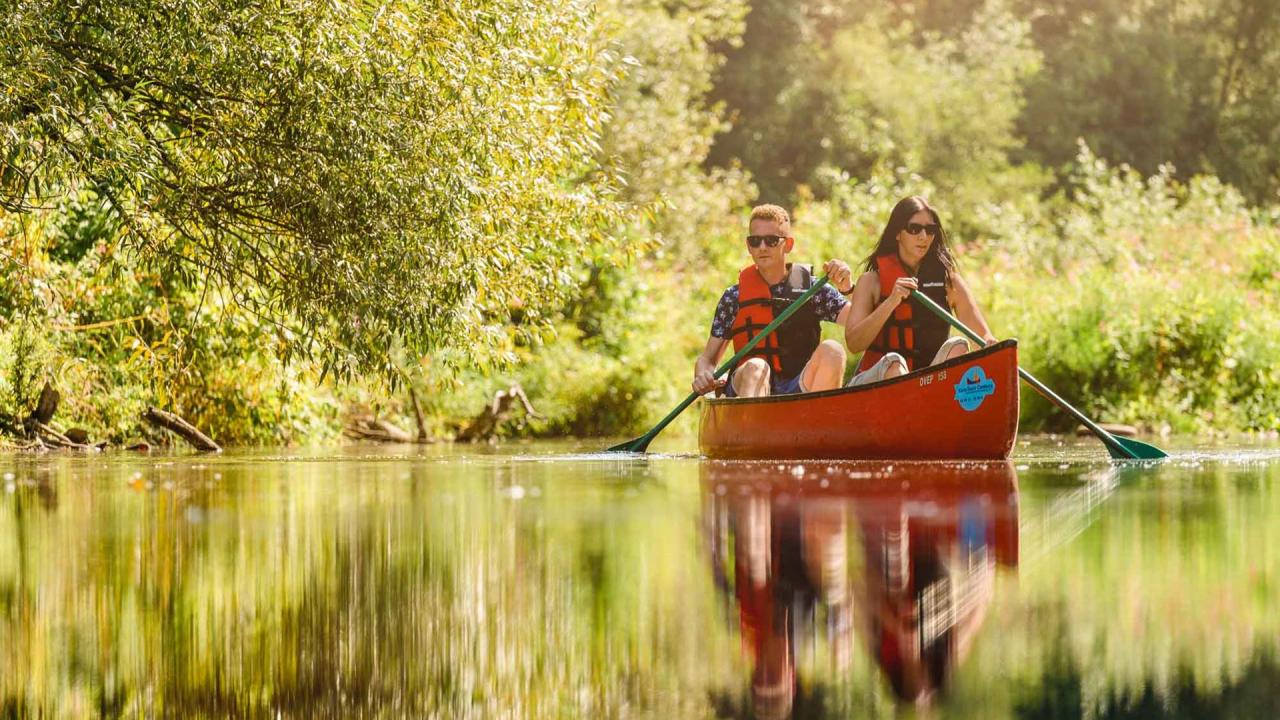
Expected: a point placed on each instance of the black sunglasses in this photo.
(917, 228)
(770, 240)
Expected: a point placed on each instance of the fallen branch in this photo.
(101, 325)
(181, 428)
(50, 436)
(485, 425)
(1113, 428)
(35, 445)
(369, 428)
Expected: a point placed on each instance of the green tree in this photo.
(367, 172)
(941, 105)
(1147, 83)
(864, 88)
(773, 95)
(628, 330)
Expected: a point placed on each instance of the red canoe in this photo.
(966, 408)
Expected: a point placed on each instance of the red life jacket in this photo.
(911, 330)
(790, 346)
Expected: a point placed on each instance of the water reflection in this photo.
(897, 560)
(552, 587)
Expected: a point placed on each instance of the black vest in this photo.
(800, 335)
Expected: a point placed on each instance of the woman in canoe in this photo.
(898, 334)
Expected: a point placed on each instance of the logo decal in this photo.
(973, 388)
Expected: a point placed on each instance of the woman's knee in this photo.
(958, 347)
(895, 365)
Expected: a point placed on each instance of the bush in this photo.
(1155, 351)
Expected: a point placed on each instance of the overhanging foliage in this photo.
(358, 172)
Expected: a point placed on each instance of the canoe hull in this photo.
(965, 408)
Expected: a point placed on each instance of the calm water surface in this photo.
(543, 582)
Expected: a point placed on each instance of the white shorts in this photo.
(876, 372)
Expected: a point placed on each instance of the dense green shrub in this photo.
(114, 338)
(1152, 350)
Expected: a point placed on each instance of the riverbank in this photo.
(1145, 301)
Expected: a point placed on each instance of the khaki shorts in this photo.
(876, 372)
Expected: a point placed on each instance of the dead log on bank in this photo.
(46, 406)
(377, 430)
(181, 428)
(1113, 428)
(36, 425)
(485, 426)
(370, 427)
(53, 438)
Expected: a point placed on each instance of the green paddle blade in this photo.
(639, 444)
(1133, 449)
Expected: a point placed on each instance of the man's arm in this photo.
(704, 368)
(830, 301)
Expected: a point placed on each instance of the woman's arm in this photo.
(967, 309)
(865, 318)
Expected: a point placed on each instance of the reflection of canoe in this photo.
(937, 496)
(963, 408)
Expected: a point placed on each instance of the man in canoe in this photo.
(793, 358)
(898, 334)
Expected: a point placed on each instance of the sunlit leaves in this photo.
(409, 170)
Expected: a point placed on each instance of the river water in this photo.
(543, 581)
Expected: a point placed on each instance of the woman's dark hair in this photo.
(898, 219)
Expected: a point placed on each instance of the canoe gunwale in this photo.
(913, 375)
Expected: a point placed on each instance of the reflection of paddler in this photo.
(787, 558)
(932, 535)
(765, 608)
(931, 552)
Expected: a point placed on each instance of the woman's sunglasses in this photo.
(917, 228)
(770, 240)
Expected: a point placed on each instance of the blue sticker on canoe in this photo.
(973, 388)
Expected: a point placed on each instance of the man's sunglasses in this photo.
(770, 240)
(917, 228)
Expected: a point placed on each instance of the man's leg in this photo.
(751, 379)
(825, 368)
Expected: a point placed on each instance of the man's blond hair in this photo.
(774, 213)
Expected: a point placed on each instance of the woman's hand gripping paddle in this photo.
(641, 443)
(1120, 448)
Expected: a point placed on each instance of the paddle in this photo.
(641, 443)
(1120, 448)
